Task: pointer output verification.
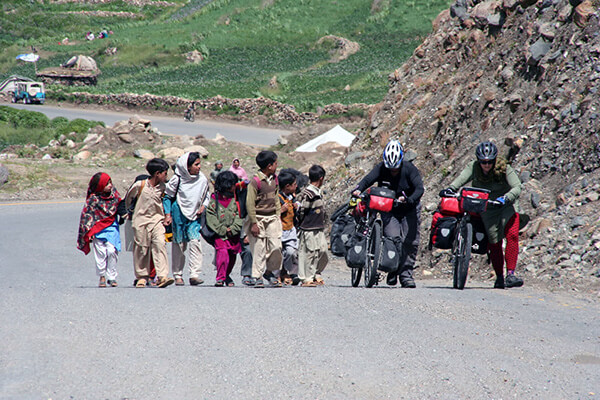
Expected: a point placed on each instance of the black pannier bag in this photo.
(389, 256)
(357, 251)
(341, 232)
(480, 240)
(442, 231)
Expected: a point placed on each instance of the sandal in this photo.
(309, 284)
(112, 283)
(229, 282)
(220, 283)
(141, 283)
(102, 282)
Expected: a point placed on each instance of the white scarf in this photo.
(192, 188)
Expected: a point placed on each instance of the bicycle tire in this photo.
(373, 255)
(462, 256)
(356, 275)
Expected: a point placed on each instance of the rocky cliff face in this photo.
(525, 75)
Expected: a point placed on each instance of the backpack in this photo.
(241, 192)
(341, 232)
(133, 203)
(389, 255)
(208, 234)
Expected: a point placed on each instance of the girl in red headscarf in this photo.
(99, 226)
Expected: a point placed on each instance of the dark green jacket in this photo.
(495, 218)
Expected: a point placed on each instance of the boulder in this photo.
(121, 127)
(82, 155)
(70, 144)
(171, 153)
(126, 138)
(353, 157)
(564, 13)
(220, 139)
(143, 154)
(459, 10)
(3, 175)
(201, 150)
(548, 31)
(282, 140)
(583, 12)
(538, 50)
(484, 11)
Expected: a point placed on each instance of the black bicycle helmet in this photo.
(486, 151)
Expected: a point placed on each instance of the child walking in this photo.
(99, 226)
(264, 210)
(148, 225)
(312, 256)
(222, 216)
(289, 237)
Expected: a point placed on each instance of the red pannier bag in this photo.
(474, 200)
(449, 206)
(381, 199)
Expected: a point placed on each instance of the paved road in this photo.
(62, 337)
(169, 125)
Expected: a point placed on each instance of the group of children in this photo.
(280, 234)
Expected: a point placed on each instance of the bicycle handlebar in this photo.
(489, 201)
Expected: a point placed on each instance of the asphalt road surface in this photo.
(168, 125)
(62, 337)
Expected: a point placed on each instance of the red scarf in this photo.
(99, 212)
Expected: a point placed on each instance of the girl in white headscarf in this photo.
(186, 196)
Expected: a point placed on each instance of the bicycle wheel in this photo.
(373, 255)
(356, 274)
(462, 255)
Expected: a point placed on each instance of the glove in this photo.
(502, 200)
(448, 192)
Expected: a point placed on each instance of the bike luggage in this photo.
(442, 232)
(357, 251)
(479, 245)
(381, 199)
(389, 256)
(474, 200)
(341, 232)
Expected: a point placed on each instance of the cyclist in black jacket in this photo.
(402, 224)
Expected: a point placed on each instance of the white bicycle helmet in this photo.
(393, 154)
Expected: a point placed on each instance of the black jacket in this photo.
(408, 182)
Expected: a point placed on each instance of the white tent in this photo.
(336, 134)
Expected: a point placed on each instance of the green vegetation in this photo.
(245, 43)
(22, 127)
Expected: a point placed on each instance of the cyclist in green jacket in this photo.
(495, 174)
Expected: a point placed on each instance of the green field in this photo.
(246, 43)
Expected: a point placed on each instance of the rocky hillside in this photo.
(526, 75)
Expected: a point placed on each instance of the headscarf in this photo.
(239, 171)
(188, 190)
(99, 211)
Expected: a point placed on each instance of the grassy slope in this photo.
(248, 42)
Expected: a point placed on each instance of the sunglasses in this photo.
(486, 162)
